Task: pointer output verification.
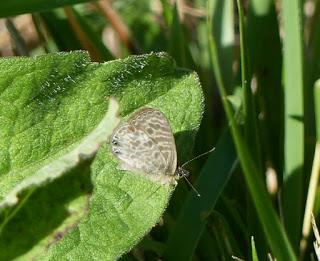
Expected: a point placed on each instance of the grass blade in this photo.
(272, 228)
(177, 42)
(223, 23)
(262, 24)
(314, 179)
(312, 53)
(254, 255)
(317, 108)
(250, 128)
(294, 137)
(191, 222)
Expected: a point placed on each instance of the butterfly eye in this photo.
(115, 142)
(116, 151)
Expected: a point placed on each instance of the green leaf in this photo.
(15, 7)
(50, 108)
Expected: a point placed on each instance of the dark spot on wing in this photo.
(149, 131)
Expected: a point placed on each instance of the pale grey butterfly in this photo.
(145, 144)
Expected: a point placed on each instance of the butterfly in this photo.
(145, 144)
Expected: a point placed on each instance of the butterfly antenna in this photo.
(197, 157)
(192, 187)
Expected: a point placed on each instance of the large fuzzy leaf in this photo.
(58, 201)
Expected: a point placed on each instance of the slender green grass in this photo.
(292, 193)
(250, 128)
(253, 250)
(210, 183)
(262, 24)
(273, 230)
(317, 108)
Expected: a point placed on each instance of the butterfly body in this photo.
(145, 144)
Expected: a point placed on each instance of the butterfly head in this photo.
(182, 173)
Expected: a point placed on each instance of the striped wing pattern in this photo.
(145, 143)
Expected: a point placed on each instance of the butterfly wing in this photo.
(156, 126)
(145, 144)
